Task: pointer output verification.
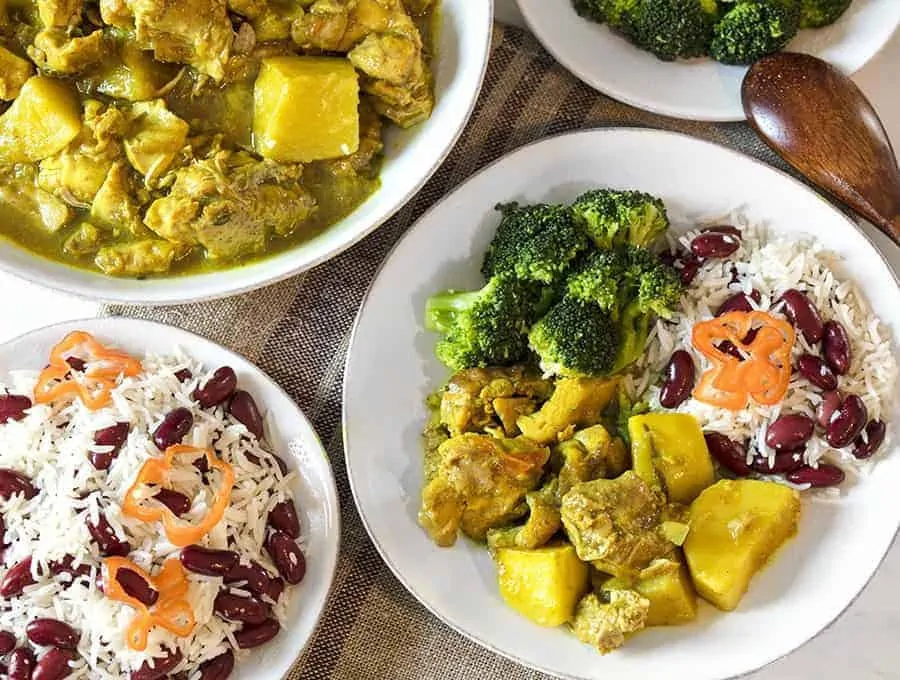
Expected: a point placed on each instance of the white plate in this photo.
(411, 157)
(819, 573)
(700, 89)
(294, 440)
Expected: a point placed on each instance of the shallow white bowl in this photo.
(293, 438)
(811, 581)
(411, 157)
(700, 89)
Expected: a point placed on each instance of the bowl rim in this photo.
(106, 293)
(457, 626)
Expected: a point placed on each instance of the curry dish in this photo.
(152, 137)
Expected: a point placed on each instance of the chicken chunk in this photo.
(14, 71)
(85, 240)
(140, 258)
(467, 404)
(115, 207)
(36, 208)
(591, 454)
(54, 51)
(604, 625)
(615, 523)
(194, 32)
(276, 21)
(59, 13)
(542, 523)
(248, 8)
(155, 137)
(576, 402)
(230, 203)
(479, 483)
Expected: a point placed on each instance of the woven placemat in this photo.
(297, 331)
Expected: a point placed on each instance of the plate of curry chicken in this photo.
(641, 422)
(154, 151)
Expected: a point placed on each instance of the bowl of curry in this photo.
(158, 152)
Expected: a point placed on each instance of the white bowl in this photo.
(411, 157)
(699, 89)
(293, 438)
(809, 583)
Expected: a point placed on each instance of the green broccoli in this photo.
(674, 29)
(818, 13)
(624, 409)
(534, 243)
(601, 277)
(486, 327)
(575, 339)
(659, 287)
(612, 218)
(594, 10)
(617, 13)
(754, 28)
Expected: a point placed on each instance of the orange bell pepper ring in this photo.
(103, 368)
(155, 471)
(171, 611)
(765, 372)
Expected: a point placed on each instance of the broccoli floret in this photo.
(818, 13)
(534, 243)
(674, 29)
(487, 327)
(612, 218)
(594, 10)
(601, 278)
(754, 28)
(659, 287)
(634, 329)
(575, 339)
(617, 13)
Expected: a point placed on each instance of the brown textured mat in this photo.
(297, 331)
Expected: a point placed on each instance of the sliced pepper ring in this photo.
(172, 611)
(155, 471)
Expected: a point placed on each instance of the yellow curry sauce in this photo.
(140, 148)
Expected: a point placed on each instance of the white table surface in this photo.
(864, 642)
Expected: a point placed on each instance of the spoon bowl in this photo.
(821, 123)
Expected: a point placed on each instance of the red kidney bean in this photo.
(784, 462)
(728, 453)
(243, 407)
(76, 364)
(17, 579)
(258, 579)
(725, 229)
(162, 665)
(789, 432)
(12, 482)
(106, 538)
(824, 475)
(689, 269)
(254, 636)
(218, 388)
(715, 243)
(21, 664)
(218, 668)
(202, 465)
(679, 380)
(284, 518)
(7, 642)
(175, 501)
(836, 347)
(184, 375)
(113, 436)
(279, 461)
(137, 587)
(173, 428)
(731, 349)
(52, 633)
(816, 371)
(208, 562)
(67, 566)
(54, 664)
(239, 608)
(287, 557)
(847, 422)
(874, 438)
(13, 407)
(830, 402)
(802, 313)
(739, 302)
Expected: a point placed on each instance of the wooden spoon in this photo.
(819, 121)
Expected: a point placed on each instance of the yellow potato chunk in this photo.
(736, 526)
(575, 402)
(306, 109)
(156, 137)
(543, 585)
(41, 122)
(666, 584)
(668, 449)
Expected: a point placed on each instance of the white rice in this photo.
(50, 446)
(771, 265)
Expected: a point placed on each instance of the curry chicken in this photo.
(148, 137)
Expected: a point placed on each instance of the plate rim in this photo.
(605, 88)
(652, 132)
(86, 291)
(332, 498)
